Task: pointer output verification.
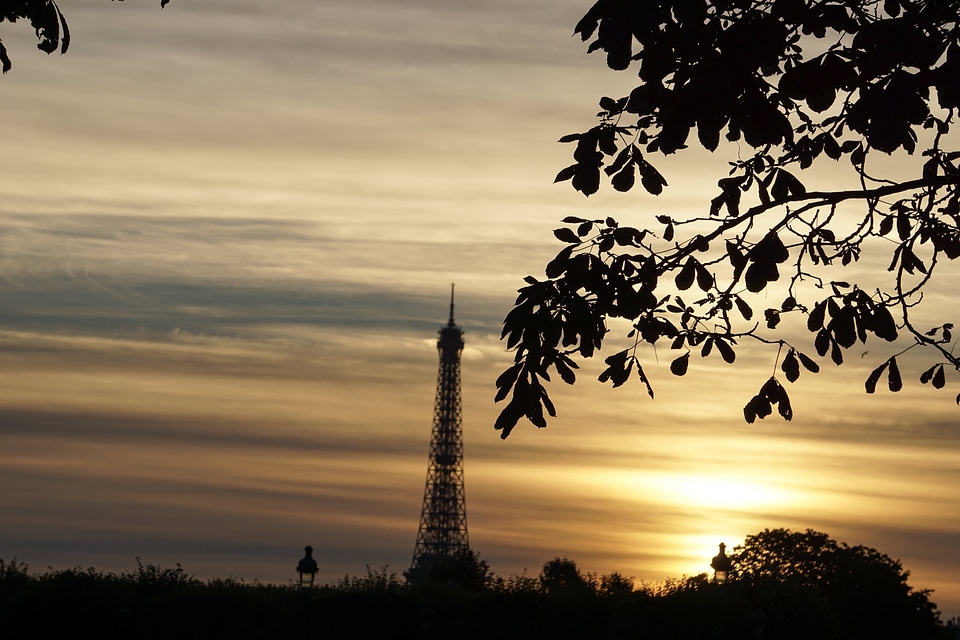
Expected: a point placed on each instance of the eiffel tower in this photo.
(443, 520)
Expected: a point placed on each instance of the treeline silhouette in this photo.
(462, 600)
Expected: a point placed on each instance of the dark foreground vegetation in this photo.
(786, 586)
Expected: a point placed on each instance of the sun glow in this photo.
(721, 506)
(722, 493)
(717, 492)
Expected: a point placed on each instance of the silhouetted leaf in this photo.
(624, 179)
(534, 413)
(565, 368)
(772, 317)
(759, 274)
(726, 351)
(858, 156)
(644, 380)
(910, 261)
(506, 379)
(507, 420)
(771, 389)
(874, 377)
(608, 104)
(785, 185)
(625, 156)
(684, 279)
(679, 366)
(939, 378)
(511, 414)
(586, 179)
(620, 377)
(822, 342)
(816, 317)
(903, 225)
(884, 326)
(808, 363)
(565, 234)
(886, 225)
(836, 354)
(708, 131)
(770, 249)
(758, 407)
(606, 243)
(626, 236)
(844, 327)
(716, 205)
(618, 369)
(707, 347)
(783, 406)
(893, 377)
(743, 307)
(650, 178)
(704, 277)
(790, 366)
(566, 173)
(546, 402)
(761, 405)
(558, 265)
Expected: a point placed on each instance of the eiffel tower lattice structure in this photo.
(442, 534)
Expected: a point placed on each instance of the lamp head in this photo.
(307, 568)
(722, 566)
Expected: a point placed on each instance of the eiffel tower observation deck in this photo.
(442, 534)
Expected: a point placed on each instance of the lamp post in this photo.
(307, 568)
(722, 565)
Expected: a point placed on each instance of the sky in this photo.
(228, 232)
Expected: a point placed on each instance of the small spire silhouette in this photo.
(450, 323)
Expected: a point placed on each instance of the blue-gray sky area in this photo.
(227, 236)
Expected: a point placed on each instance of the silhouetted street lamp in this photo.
(722, 566)
(307, 568)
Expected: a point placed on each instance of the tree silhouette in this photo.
(464, 569)
(864, 89)
(866, 590)
(46, 19)
(561, 575)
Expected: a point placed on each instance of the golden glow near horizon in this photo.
(226, 241)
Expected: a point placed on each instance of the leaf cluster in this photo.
(46, 19)
(737, 70)
(790, 84)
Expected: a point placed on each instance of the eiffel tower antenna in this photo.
(443, 520)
